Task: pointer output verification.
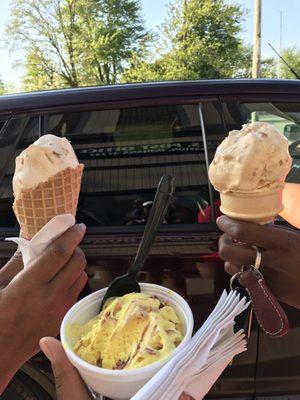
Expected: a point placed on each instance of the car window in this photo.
(2, 122)
(126, 151)
(14, 137)
(215, 133)
(285, 117)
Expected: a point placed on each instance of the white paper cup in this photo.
(120, 384)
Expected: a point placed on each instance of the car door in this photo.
(126, 147)
(278, 368)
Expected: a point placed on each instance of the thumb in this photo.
(68, 382)
(185, 396)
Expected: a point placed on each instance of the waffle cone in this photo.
(59, 195)
(258, 207)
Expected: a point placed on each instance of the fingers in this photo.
(66, 277)
(78, 285)
(185, 396)
(231, 269)
(11, 269)
(67, 380)
(53, 259)
(235, 253)
(252, 234)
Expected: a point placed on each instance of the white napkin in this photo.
(199, 364)
(31, 249)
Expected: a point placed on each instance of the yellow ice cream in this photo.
(133, 331)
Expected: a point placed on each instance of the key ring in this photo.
(235, 276)
(256, 266)
(258, 258)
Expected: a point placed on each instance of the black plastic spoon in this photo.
(127, 283)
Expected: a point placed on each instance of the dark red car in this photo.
(128, 136)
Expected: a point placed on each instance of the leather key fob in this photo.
(269, 314)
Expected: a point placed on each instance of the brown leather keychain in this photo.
(269, 314)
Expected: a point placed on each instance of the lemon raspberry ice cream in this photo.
(131, 332)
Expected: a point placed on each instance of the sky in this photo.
(155, 11)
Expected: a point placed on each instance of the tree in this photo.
(113, 32)
(200, 39)
(292, 56)
(244, 67)
(269, 66)
(75, 42)
(41, 72)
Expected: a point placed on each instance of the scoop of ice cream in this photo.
(43, 159)
(131, 332)
(256, 158)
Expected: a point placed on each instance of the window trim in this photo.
(109, 105)
(204, 139)
(236, 100)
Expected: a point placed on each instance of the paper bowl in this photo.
(120, 384)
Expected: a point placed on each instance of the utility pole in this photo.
(256, 40)
(280, 44)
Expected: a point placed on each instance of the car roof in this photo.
(96, 94)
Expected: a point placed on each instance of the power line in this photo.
(280, 43)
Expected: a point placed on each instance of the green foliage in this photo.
(269, 66)
(41, 73)
(70, 43)
(292, 56)
(75, 42)
(113, 31)
(199, 39)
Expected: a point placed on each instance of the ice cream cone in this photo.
(257, 207)
(58, 195)
(249, 170)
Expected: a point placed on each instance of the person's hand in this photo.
(11, 269)
(68, 382)
(35, 300)
(280, 255)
